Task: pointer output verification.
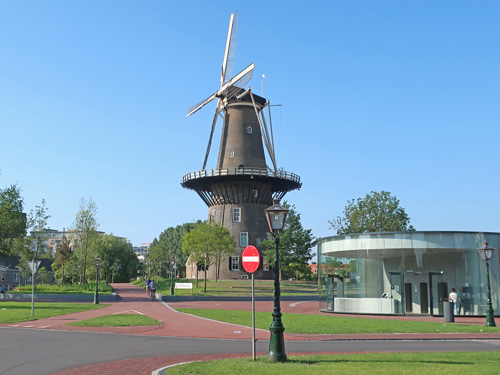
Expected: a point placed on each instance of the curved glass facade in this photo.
(406, 272)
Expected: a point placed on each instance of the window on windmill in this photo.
(255, 193)
(231, 154)
(243, 239)
(236, 215)
(235, 263)
(249, 130)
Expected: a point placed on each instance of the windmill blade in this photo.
(239, 80)
(196, 107)
(214, 122)
(230, 51)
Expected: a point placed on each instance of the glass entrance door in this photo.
(335, 288)
(397, 281)
(437, 292)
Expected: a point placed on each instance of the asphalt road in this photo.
(39, 352)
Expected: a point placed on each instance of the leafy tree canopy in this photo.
(376, 212)
(296, 245)
(206, 244)
(12, 219)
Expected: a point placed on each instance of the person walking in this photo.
(453, 297)
(152, 286)
(148, 286)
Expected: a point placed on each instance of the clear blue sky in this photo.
(376, 95)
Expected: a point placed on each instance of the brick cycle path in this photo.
(133, 300)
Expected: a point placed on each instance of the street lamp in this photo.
(276, 216)
(486, 252)
(97, 261)
(172, 269)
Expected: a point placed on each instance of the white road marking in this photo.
(124, 312)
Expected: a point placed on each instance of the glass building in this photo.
(406, 272)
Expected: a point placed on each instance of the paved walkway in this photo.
(134, 300)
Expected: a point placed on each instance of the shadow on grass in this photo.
(368, 361)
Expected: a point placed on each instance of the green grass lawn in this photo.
(15, 312)
(65, 289)
(236, 288)
(456, 363)
(117, 320)
(330, 324)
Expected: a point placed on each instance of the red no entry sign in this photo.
(250, 259)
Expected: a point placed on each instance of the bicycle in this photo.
(153, 294)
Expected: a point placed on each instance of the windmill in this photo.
(242, 185)
(228, 86)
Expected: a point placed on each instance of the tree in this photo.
(119, 263)
(205, 244)
(12, 219)
(63, 255)
(37, 221)
(224, 245)
(296, 245)
(171, 241)
(85, 227)
(43, 275)
(158, 256)
(376, 212)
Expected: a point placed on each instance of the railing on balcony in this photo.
(241, 172)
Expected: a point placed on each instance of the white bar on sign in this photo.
(251, 259)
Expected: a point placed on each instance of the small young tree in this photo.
(205, 244)
(224, 245)
(85, 226)
(63, 255)
(37, 222)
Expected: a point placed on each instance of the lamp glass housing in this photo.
(486, 252)
(276, 216)
(97, 261)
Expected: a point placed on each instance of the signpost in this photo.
(251, 261)
(33, 265)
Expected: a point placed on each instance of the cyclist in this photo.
(152, 286)
(148, 286)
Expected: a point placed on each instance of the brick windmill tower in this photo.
(242, 185)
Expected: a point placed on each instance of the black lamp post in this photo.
(97, 261)
(276, 216)
(172, 269)
(486, 253)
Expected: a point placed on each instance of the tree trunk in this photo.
(205, 281)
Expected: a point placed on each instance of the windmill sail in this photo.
(230, 51)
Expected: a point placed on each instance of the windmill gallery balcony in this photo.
(259, 184)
